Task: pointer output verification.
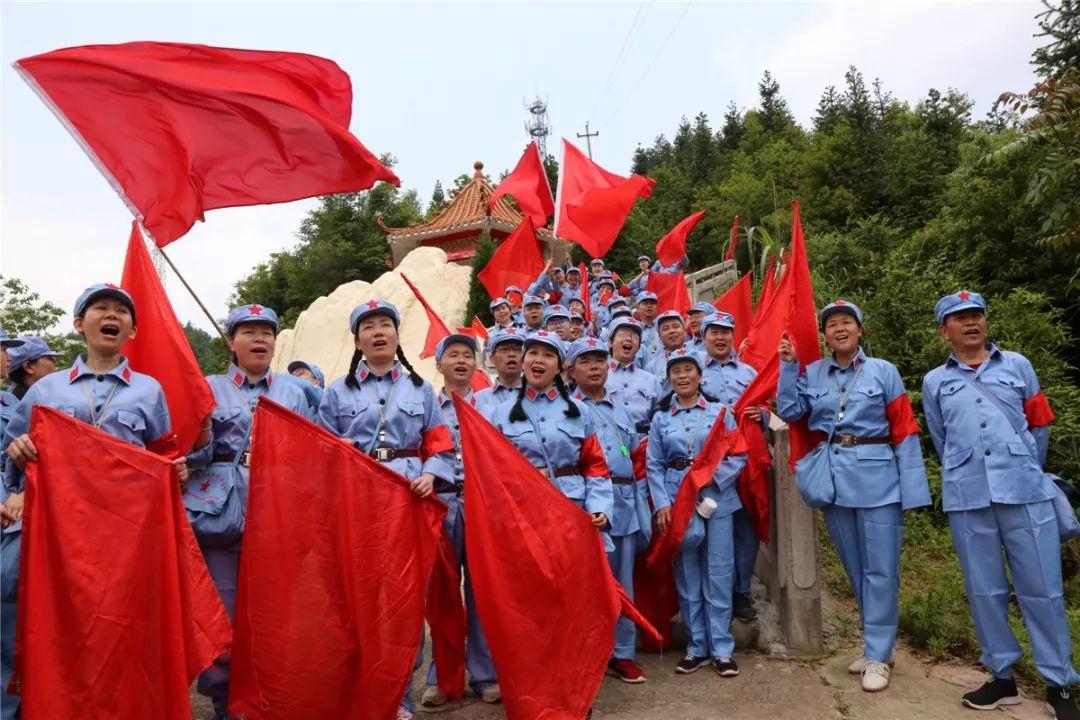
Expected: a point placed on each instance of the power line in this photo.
(650, 66)
(631, 35)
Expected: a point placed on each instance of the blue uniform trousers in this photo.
(1028, 533)
(868, 542)
(224, 567)
(621, 560)
(10, 543)
(746, 550)
(478, 661)
(704, 574)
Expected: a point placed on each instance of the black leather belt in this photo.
(245, 459)
(386, 454)
(852, 441)
(622, 480)
(642, 428)
(442, 487)
(563, 471)
(680, 463)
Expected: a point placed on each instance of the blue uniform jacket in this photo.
(636, 391)
(490, 398)
(679, 433)
(865, 475)
(983, 458)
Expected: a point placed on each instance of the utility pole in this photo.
(588, 138)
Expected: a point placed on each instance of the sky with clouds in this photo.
(441, 85)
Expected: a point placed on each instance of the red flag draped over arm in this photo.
(543, 586)
(528, 184)
(733, 240)
(593, 203)
(671, 292)
(517, 261)
(672, 247)
(117, 611)
(191, 128)
(736, 301)
(330, 607)
(160, 348)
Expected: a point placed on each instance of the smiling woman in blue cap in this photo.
(216, 494)
(876, 466)
(29, 361)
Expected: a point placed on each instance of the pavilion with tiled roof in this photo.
(459, 225)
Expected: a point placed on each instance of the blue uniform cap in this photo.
(684, 355)
(533, 300)
(584, 345)
(573, 269)
(373, 307)
(499, 301)
(615, 300)
(553, 341)
(646, 296)
(98, 290)
(311, 367)
(575, 316)
(643, 257)
(7, 341)
(702, 307)
(253, 313)
(28, 349)
(717, 319)
(621, 323)
(670, 315)
(450, 340)
(596, 261)
(504, 336)
(622, 311)
(512, 288)
(840, 306)
(559, 269)
(556, 311)
(957, 302)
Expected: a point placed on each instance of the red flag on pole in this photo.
(586, 296)
(733, 239)
(437, 329)
(671, 292)
(327, 621)
(802, 325)
(593, 203)
(517, 261)
(736, 302)
(160, 349)
(479, 329)
(192, 128)
(528, 184)
(117, 611)
(542, 582)
(672, 247)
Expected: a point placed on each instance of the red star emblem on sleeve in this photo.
(964, 295)
(204, 486)
(255, 309)
(373, 304)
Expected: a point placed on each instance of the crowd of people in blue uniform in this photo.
(581, 397)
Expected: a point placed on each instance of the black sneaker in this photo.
(726, 667)
(690, 664)
(994, 693)
(1063, 704)
(743, 607)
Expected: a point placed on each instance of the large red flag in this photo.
(330, 606)
(543, 585)
(802, 325)
(736, 302)
(117, 612)
(593, 203)
(191, 128)
(672, 247)
(528, 184)
(160, 349)
(671, 292)
(517, 261)
(733, 239)
(768, 286)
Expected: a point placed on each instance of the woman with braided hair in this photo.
(388, 411)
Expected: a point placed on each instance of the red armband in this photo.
(1038, 410)
(592, 462)
(554, 298)
(901, 419)
(166, 446)
(436, 440)
(637, 457)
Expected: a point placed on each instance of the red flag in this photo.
(327, 620)
(437, 329)
(192, 128)
(655, 595)
(160, 349)
(802, 325)
(716, 447)
(672, 247)
(479, 329)
(733, 239)
(117, 611)
(586, 296)
(736, 302)
(671, 292)
(517, 261)
(528, 184)
(593, 203)
(542, 582)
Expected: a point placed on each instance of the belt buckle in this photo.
(847, 441)
(384, 454)
(245, 458)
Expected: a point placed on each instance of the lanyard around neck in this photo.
(95, 418)
(843, 392)
(691, 440)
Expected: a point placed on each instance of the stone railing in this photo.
(708, 283)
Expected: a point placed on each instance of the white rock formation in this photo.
(322, 334)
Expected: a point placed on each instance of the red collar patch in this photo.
(551, 394)
(74, 374)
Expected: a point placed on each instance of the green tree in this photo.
(774, 113)
(438, 197)
(210, 350)
(24, 312)
(477, 306)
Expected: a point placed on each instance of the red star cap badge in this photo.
(964, 295)
(592, 342)
(839, 303)
(373, 304)
(255, 309)
(112, 287)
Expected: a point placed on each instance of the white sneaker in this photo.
(404, 714)
(859, 664)
(491, 694)
(875, 677)
(433, 701)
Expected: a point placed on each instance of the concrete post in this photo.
(789, 566)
